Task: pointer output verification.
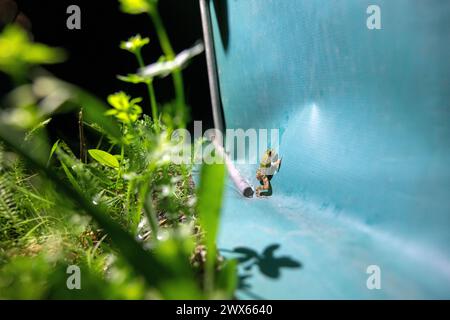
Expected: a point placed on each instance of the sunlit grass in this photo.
(128, 216)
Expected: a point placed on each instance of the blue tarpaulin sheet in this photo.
(364, 117)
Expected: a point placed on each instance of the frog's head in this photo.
(269, 156)
(268, 153)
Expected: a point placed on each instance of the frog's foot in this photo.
(259, 193)
(279, 164)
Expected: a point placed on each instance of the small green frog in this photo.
(270, 163)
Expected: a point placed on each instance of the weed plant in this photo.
(123, 211)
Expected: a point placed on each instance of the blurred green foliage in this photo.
(138, 6)
(17, 53)
(127, 215)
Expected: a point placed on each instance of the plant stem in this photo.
(119, 172)
(128, 204)
(151, 216)
(99, 142)
(170, 54)
(146, 204)
(151, 91)
(210, 270)
(83, 153)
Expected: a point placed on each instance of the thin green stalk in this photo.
(83, 152)
(130, 189)
(70, 177)
(170, 54)
(33, 195)
(30, 232)
(151, 216)
(151, 90)
(119, 172)
(99, 142)
(146, 205)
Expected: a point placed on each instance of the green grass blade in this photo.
(144, 263)
(210, 193)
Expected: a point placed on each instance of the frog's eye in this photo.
(270, 153)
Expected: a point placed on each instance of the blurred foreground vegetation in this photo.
(123, 212)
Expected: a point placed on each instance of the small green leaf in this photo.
(134, 44)
(52, 151)
(37, 127)
(71, 178)
(104, 158)
(134, 78)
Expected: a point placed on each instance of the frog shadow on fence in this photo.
(267, 263)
